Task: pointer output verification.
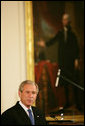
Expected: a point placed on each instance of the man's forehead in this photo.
(29, 86)
(65, 16)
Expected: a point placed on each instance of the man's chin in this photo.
(29, 104)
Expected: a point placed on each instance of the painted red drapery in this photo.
(52, 70)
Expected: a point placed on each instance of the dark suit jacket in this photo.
(16, 115)
(68, 50)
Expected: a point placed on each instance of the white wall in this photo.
(13, 59)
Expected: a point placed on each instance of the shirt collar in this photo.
(24, 107)
(65, 29)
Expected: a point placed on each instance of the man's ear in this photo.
(19, 93)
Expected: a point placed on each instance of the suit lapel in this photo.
(22, 115)
(36, 115)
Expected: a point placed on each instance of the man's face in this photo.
(28, 95)
(65, 20)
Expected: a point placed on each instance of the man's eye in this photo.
(33, 92)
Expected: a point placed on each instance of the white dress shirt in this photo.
(25, 108)
(65, 33)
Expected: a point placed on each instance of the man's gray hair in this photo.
(28, 82)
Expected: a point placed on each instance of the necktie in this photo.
(31, 117)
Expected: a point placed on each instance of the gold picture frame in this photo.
(29, 40)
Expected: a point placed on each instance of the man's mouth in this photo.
(30, 100)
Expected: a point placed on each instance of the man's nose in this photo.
(30, 94)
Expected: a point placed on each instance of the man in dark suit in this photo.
(23, 113)
(68, 53)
